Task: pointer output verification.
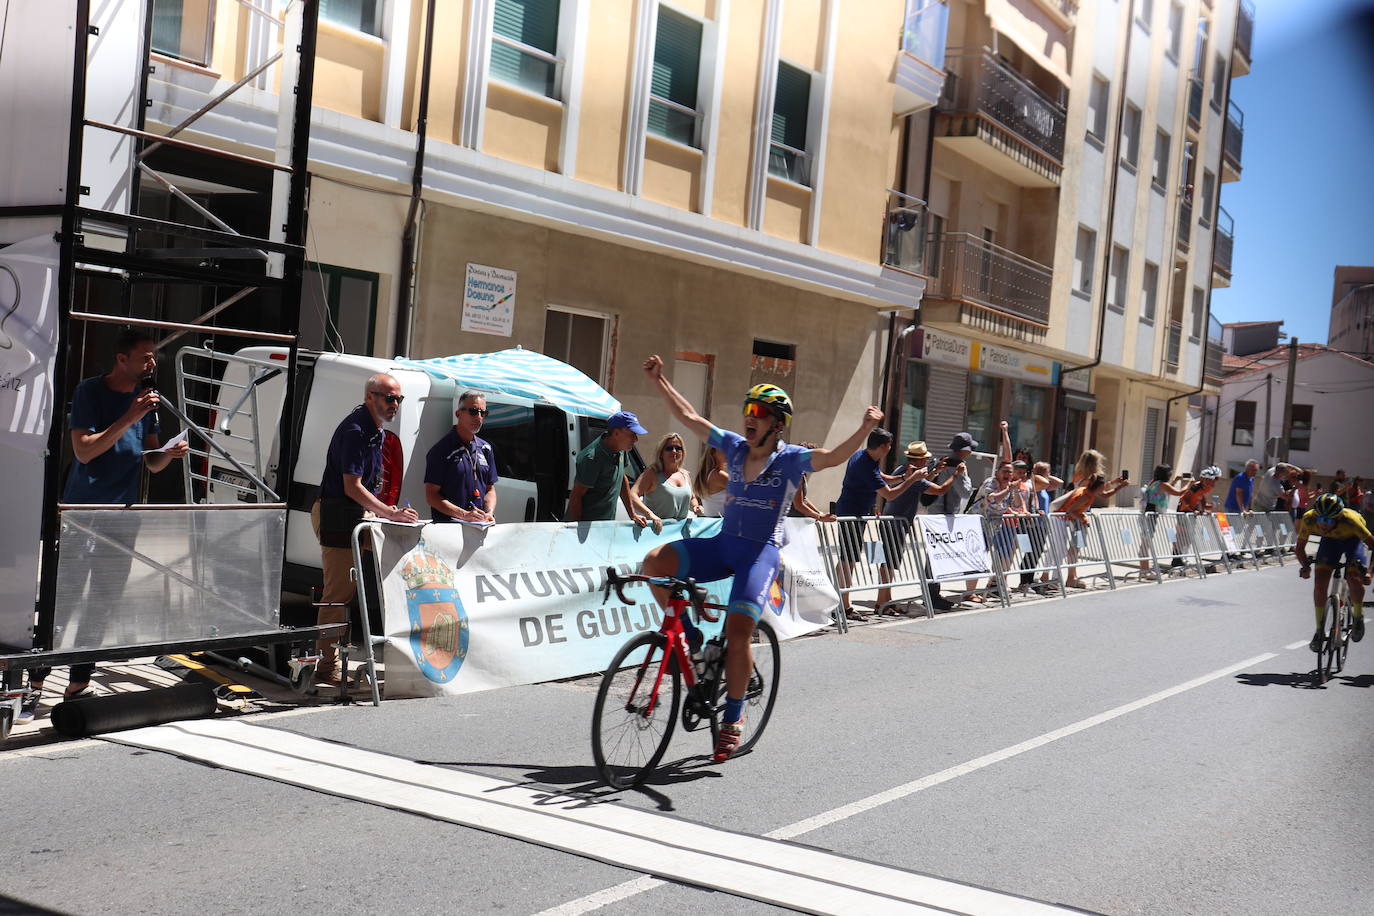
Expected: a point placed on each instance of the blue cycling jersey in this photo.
(755, 510)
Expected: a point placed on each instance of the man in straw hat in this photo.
(904, 507)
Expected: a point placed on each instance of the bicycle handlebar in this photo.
(698, 594)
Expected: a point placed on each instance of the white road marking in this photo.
(1300, 644)
(825, 819)
(765, 869)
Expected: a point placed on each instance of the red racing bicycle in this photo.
(641, 693)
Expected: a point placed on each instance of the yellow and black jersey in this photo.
(1349, 526)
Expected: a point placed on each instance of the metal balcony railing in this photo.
(1175, 344)
(1225, 244)
(979, 272)
(904, 232)
(1245, 28)
(1195, 101)
(1234, 135)
(990, 89)
(924, 30)
(1185, 223)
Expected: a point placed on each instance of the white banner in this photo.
(955, 546)
(28, 341)
(470, 609)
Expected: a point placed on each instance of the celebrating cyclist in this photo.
(764, 474)
(1343, 540)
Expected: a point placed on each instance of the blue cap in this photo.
(626, 420)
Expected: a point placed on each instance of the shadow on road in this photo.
(11, 906)
(583, 783)
(1359, 680)
(1306, 680)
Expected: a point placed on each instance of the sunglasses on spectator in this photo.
(390, 398)
(672, 448)
(476, 411)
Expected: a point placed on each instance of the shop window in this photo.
(673, 111)
(982, 411)
(580, 339)
(525, 45)
(788, 156)
(1027, 421)
(359, 15)
(1300, 440)
(338, 309)
(1243, 426)
(914, 395)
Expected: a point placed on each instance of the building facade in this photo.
(1352, 311)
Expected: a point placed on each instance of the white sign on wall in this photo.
(489, 300)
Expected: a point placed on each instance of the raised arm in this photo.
(822, 458)
(677, 404)
(1004, 452)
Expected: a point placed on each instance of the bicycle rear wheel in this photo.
(1347, 617)
(761, 693)
(633, 723)
(1326, 662)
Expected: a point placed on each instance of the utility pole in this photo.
(1288, 397)
(1268, 404)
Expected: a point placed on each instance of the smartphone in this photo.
(1125, 475)
(1186, 475)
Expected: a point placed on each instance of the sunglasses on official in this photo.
(389, 398)
(476, 411)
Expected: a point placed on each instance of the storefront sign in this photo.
(470, 609)
(951, 350)
(489, 300)
(1080, 380)
(955, 546)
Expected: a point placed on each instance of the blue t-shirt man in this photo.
(862, 481)
(463, 472)
(114, 475)
(1238, 497)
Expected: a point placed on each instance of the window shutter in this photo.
(530, 22)
(352, 14)
(790, 106)
(676, 69)
(1149, 449)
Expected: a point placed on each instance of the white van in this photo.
(535, 441)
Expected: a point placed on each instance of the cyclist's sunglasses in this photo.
(390, 398)
(754, 409)
(476, 411)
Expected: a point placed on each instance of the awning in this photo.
(526, 374)
(1075, 400)
(1034, 31)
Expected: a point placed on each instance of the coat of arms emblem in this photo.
(438, 625)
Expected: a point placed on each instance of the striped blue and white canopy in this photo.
(526, 374)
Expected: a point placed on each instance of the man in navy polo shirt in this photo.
(352, 475)
(864, 481)
(460, 470)
(112, 423)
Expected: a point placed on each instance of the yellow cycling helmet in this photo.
(773, 397)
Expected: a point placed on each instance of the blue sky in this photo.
(1305, 201)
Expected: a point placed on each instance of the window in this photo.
(1243, 427)
(338, 308)
(360, 15)
(673, 87)
(1130, 137)
(983, 412)
(1199, 313)
(511, 431)
(1026, 418)
(1175, 30)
(1098, 95)
(182, 28)
(1200, 51)
(1300, 439)
(580, 339)
(1145, 12)
(1218, 82)
(1121, 266)
(1149, 443)
(524, 45)
(1161, 175)
(937, 244)
(773, 363)
(1084, 260)
(1209, 187)
(1149, 289)
(914, 397)
(787, 157)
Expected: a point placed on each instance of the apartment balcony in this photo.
(1223, 249)
(1175, 348)
(920, 72)
(986, 286)
(904, 233)
(1195, 103)
(1245, 34)
(994, 116)
(1185, 224)
(1231, 141)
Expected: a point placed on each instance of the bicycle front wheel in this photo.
(1343, 642)
(760, 694)
(1326, 662)
(633, 720)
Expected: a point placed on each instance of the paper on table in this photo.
(179, 437)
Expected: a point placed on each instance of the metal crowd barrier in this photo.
(1207, 542)
(1256, 538)
(1022, 546)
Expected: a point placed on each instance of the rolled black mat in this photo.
(94, 715)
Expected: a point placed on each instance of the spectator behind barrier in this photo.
(1238, 497)
(904, 507)
(460, 469)
(113, 424)
(710, 483)
(802, 506)
(603, 475)
(348, 488)
(665, 487)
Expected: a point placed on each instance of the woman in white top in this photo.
(709, 485)
(666, 486)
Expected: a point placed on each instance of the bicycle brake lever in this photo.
(614, 581)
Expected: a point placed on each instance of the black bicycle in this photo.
(1340, 618)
